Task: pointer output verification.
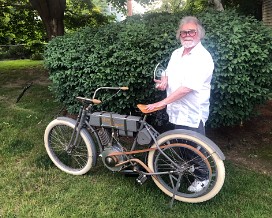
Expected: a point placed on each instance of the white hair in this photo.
(191, 19)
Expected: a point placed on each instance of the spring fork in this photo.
(78, 126)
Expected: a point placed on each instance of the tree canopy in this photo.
(51, 18)
(46, 16)
(15, 19)
(78, 13)
(58, 16)
(171, 5)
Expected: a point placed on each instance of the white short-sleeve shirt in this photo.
(193, 71)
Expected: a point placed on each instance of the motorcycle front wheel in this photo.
(75, 159)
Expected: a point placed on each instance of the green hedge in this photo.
(125, 54)
(242, 51)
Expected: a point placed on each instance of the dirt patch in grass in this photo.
(248, 145)
(38, 76)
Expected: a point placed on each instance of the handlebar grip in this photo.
(124, 88)
(96, 101)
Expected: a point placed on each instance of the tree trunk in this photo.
(52, 15)
(129, 8)
(217, 5)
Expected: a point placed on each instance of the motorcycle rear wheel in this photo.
(192, 157)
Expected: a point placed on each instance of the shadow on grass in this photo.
(18, 147)
(43, 162)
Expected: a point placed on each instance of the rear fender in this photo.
(198, 136)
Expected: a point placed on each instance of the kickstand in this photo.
(175, 191)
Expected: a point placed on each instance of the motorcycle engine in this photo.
(111, 161)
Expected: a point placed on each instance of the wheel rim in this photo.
(73, 159)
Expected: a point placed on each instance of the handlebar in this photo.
(124, 88)
(88, 100)
(96, 101)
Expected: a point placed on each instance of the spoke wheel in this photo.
(76, 159)
(190, 159)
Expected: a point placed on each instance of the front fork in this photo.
(79, 123)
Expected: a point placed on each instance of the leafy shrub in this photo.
(37, 49)
(125, 54)
(36, 57)
(17, 52)
(33, 49)
(241, 48)
(3, 52)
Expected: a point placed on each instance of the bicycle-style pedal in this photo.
(141, 179)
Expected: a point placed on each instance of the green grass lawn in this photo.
(19, 64)
(31, 186)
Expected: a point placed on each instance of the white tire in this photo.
(176, 146)
(75, 160)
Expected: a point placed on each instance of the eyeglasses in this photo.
(186, 33)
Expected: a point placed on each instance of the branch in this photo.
(23, 92)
